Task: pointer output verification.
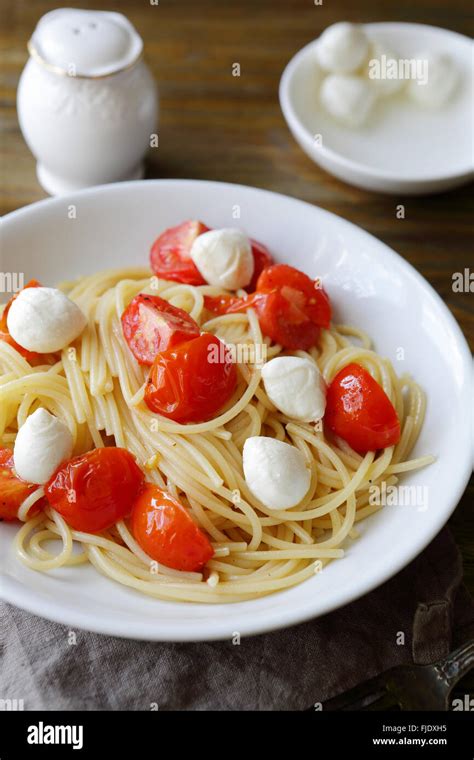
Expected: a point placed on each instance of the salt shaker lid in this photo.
(85, 43)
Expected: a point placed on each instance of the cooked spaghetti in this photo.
(97, 389)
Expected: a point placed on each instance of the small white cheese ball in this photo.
(349, 99)
(296, 387)
(435, 87)
(275, 472)
(379, 63)
(224, 258)
(42, 443)
(44, 320)
(342, 48)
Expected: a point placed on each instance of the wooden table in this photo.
(216, 126)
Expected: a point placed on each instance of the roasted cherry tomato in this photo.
(167, 533)
(191, 382)
(291, 307)
(170, 253)
(31, 356)
(359, 411)
(150, 324)
(226, 304)
(283, 318)
(281, 315)
(13, 490)
(300, 289)
(95, 490)
(261, 260)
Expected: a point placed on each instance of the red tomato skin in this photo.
(185, 386)
(262, 259)
(291, 307)
(170, 253)
(93, 491)
(284, 322)
(13, 490)
(316, 304)
(31, 356)
(150, 325)
(359, 411)
(280, 318)
(225, 304)
(167, 533)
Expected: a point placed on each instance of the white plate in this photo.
(405, 148)
(371, 287)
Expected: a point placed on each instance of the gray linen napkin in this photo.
(417, 616)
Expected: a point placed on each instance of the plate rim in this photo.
(16, 593)
(349, 164)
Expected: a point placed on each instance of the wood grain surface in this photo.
(216, 126)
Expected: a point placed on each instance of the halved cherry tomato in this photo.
(94, 490)
(150, 324)
(191, 382)
(31, 356)
(359, 411)
(226, 304)
(291, 307)
(261, 260)
(13, 490)
(297, 287)
(170, 253)
(281, 314)
(280, 317)
(166, 532)
(283, 318)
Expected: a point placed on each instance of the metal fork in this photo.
(409, 687)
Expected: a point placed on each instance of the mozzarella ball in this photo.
(224, 258)
(44, 320)
(347, 98)
(296, 387)
(383, 86)
(441, 80)
(275, 472)
(42, 443)
(342, 48)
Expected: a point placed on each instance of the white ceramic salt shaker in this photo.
(87, 103)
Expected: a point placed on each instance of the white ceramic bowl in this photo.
(404, 148)
(370, 285)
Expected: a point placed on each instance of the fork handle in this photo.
(458, 663)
